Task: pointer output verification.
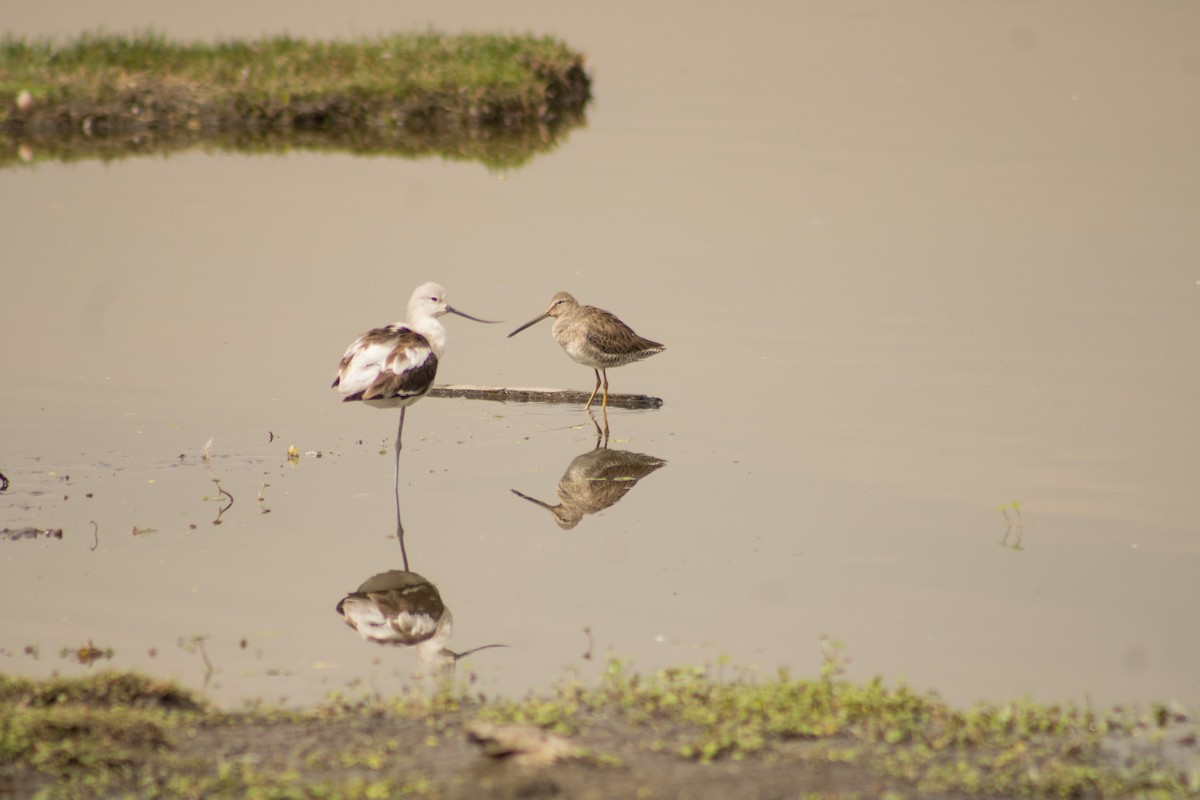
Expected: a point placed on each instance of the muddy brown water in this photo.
(910, 262)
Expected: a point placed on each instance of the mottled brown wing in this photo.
(617, 338)
(409, 381)
(387, 363)
(375, 336)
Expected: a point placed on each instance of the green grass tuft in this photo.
(403, 93)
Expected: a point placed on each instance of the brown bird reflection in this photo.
(594, 481)
(403, 609)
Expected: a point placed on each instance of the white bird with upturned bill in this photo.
(395, 366)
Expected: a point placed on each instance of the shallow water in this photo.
(909, 263)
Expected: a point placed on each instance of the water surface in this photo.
(910, 262)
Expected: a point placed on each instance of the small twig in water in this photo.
(95, 535)
(206, 456)
(196, 644)
(224, 508)
(587, 631)
(1015, 505)
(208, 665)
(264, 509)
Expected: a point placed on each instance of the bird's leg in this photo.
(604, 413)
(400, 531)
(592, 397)
(604, 404)
(599, 433)
(396, 490)
(399, 431)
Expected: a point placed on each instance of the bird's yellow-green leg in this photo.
(592, 397)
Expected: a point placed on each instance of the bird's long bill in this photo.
(468, 316)
(533, 500)
(527, 324)
(466, 653)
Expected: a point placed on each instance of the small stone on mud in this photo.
(526, 745)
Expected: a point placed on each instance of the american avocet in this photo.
(394, 366)
(595, 338)
(402, 609)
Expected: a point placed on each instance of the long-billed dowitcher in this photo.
(595, 481)
(395, 365)
(595, 338)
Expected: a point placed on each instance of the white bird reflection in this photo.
(594, 481)
(403, 609)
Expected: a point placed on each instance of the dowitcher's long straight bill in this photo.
(476, 319)
(528, 324)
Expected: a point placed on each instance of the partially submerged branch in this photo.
(559, 396)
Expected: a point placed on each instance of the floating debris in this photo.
(12, 534)
(87, 654)
(1015, 505)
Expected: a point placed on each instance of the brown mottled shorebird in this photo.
(595, 338)
(394, 366)
(595, 481)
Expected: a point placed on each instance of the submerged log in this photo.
(556, 396)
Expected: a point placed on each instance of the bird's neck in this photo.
(433, 331)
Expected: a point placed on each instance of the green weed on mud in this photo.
(125, 734)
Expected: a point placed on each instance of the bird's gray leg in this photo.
(396, 489)
(399, 433)
(400, 531)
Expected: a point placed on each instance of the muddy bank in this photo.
(676, 734)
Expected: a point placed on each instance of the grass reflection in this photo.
(496, 99)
